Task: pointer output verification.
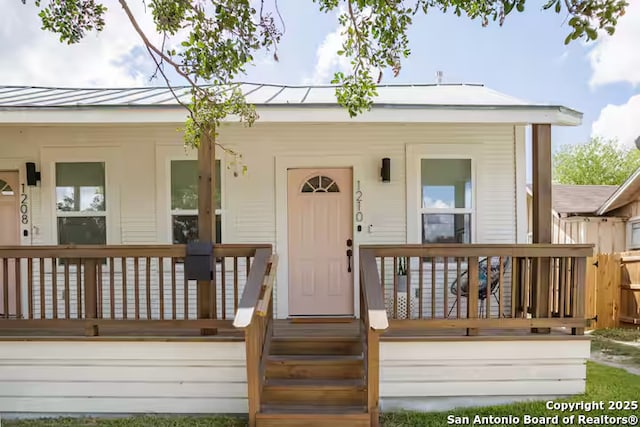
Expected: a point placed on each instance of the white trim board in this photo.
(282, 164)
(406, 114)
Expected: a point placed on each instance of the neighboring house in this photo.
(345, 203)
(607, 216)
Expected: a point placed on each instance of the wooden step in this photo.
(312, 420)
(316, 346)
(343, 392)
(312, 416)
(314, 366)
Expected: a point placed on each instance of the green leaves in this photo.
(72, 19)
(212, 41)
(598, 162)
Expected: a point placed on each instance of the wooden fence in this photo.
(613, 290)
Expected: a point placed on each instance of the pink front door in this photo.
(320, 214)
(9, 236)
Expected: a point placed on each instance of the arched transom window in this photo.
(320, 184)
(5, 189)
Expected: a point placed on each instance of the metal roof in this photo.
(418, 95)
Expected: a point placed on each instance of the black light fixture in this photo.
(385, 172)
(33, 176)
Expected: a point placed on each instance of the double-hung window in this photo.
(446, 190)
(184, 201)
(81, 203)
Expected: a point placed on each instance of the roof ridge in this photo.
(277, 85)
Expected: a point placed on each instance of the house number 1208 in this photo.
(24, 208)
(359, 215)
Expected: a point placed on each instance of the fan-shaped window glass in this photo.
(320, 184)
(5, 189)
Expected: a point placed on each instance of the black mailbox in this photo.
(197, 264)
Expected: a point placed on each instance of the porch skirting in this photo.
(128, 377)
(441, 375)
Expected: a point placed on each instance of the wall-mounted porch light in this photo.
(385, 171)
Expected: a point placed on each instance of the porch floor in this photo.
(284, 329)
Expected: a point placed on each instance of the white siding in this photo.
(482, 368)
(122, 377)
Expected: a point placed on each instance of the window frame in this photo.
(630, 223)
(81, 214)
(444, 211)
(192, 212)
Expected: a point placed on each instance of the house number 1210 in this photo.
(359, 215)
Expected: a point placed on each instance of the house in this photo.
(604, 215)
(403, 276)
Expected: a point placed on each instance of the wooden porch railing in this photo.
(132, 287)
(481, 286)
(373, 320)
(255, 316)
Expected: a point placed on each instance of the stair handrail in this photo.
(372, 291)
(252, 288)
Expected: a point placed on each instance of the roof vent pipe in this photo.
(439, 75)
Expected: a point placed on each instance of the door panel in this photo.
(319, 225)
(9, 236)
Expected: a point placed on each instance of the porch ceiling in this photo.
(445, 103)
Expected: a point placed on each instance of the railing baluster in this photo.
(501, 287)
(580, 267)
(395, 287)
(516, 286)
(67, 289)
(445, 288)
(161, 286)
(186, 294)
(112, 288)
(527, 286)
(383, 279)
(433, 287)
(136, 287)
(236, 285)
(472, 298)
(79, 313)
(100, 290)
(174, 287)
(213, 295)
(420, 286)
(458, 290)
(54, 286)
(488, 293)
(562, 279)
(42, 289)
(90, 294)
(18, 273)
(30, 307)
(408, 259)
(223, 288)
(147, 261)
(5, 288)
(125, 288)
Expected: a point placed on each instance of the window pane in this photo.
(89, 230)
(446, 228)
(446, 183)
(184, 184)
(80, 187)
(185, 228)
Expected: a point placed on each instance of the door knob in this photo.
(349, 255)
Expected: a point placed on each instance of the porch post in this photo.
(206, 213)
(542, 231)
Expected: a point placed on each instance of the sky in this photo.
(525, 58)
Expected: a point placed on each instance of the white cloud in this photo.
(617, 58)
(327, 59)
(619, 121)
(31, 56)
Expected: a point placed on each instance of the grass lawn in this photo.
(603, 384)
